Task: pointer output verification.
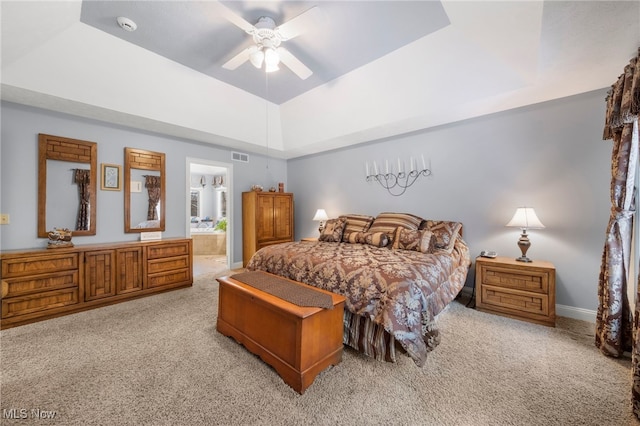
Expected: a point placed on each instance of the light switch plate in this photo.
(4, 219)
(136, 186)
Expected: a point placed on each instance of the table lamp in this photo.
(525, 218)
(321, 215)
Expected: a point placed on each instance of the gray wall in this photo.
(548, 156)
(19, 175)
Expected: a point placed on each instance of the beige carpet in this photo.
(160, 361)
(209, 264)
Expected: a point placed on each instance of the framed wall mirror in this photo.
(144, 190)
(67, 177)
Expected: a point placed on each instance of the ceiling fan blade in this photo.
(239, 59)
(294, 64)
(300, 23)
(232, 17)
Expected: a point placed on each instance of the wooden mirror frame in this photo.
(65, 149)
(144, 160)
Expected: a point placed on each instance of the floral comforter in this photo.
(401, 290)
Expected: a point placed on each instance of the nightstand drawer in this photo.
(515, 301)
(537, 281)
(525, 291)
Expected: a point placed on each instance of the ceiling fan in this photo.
(268, 37)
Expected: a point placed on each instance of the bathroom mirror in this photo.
(67, 183)
(144, 190)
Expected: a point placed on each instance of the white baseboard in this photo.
(576, 313)
(561, 310)
(237, 265)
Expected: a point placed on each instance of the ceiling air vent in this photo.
(239, 156)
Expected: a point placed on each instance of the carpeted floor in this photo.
(209, 264)
(160, 361)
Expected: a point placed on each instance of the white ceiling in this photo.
(380, 68)
(349, 35)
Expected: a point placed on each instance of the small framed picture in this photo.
(111, 177)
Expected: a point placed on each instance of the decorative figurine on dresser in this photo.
(59, 238)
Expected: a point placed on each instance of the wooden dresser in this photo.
(45, 283)
(521, 290)
(267, 218)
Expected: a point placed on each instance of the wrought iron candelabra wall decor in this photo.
(400, 180)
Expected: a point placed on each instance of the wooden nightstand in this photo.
(520, 290)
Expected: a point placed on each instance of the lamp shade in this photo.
(525, 218)
(321, 215)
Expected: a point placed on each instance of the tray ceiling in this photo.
(380, 68)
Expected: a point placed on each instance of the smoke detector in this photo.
(126, 24)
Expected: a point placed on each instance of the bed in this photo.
(397, 271)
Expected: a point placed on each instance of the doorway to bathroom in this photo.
(209, 213)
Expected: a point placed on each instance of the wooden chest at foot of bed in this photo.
(299, 342)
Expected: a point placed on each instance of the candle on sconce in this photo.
(391, 174)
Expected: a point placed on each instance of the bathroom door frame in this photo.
(228, 184)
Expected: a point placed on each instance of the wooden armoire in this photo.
(267, 218)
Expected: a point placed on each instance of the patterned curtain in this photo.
(615, 326)
(152, 183)
(81, 178)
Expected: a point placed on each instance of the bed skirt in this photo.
(367, 337)
(363, 335)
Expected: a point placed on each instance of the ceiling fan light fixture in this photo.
(271, 57)
(256, 58)
(271, 67)
(267, 37)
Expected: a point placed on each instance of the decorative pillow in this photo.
(444, 232)
(356, 223)
(408, 239)
(388, 222)
(333, 229)
(377, 239)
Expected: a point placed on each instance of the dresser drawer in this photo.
(23, 305)
(526, 280)
(21, 286)
(168, 250)
(38, 264)
(168, 278)
(167, 264)
(514, 300)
